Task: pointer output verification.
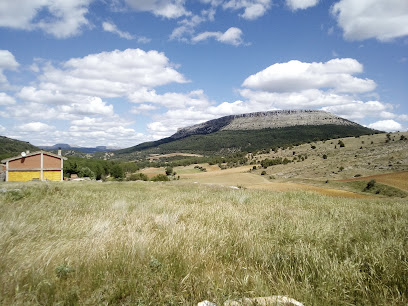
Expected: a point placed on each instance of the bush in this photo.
(138, 177)
(169, 170)
(263, 172)
(324, 156)
(370, 185)
(341, 144)
(160, 178)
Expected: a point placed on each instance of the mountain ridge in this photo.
(263, 120)
(252, 131)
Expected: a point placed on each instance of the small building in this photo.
(36, 166)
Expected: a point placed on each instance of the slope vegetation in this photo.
(10, 147)
(227, 141)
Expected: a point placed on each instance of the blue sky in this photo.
(121, 72)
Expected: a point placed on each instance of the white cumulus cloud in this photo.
(364, 19)
(111, 74)
(232, 36)
(336, 74)
(163, 8)
(7, 62)
(6, 99)
(60, 18)
(301, 4)
(35, 127)
(386, 125)
(253, 9)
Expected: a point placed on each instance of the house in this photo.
(36, 166)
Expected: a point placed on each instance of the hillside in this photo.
(249, 132)
(10, 147)
(66, 147)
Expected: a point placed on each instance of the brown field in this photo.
(155, 157)
(243, 178)
(397, 179)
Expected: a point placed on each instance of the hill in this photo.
(67, 147)
(10, 147)
(253, 131)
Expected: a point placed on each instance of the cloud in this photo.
(2, 128)
(143, 108)
(357, 110)
(187, 27)
(60, 18)
(301, 4)
(365, 19)
(163, 8)
(37, 127)
(386, 125)
(112, 131)
(112, 28)
(7, 62)
(336, 74)
(253, 9)
(232, 36)
(195, 98)
(310, 98)
(111, 74)
(6, 99)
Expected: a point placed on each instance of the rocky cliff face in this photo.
(263, 120)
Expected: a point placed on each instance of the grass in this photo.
(145, 243)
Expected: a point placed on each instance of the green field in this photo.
(144, 243)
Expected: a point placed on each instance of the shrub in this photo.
(341, 144)
(160, 178)
(63, 270)
(169, 170)
(263, 172)
(138, 177)
(370, 185)
(324, 156)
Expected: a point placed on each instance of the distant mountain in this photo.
(10, 147)
(65, 146)
(253, 131)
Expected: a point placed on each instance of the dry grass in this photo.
(365, 155)
(173, 243)
(398, 179)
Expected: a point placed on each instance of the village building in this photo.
(36, 166)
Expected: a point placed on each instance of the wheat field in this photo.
(175, 243)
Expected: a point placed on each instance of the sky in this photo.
(121, 72)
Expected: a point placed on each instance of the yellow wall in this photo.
(52, 175)
(23, 176)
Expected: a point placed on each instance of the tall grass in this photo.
(144, 243)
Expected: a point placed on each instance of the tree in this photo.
(117, 172)
(169, 170)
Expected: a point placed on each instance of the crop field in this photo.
(178, 243)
